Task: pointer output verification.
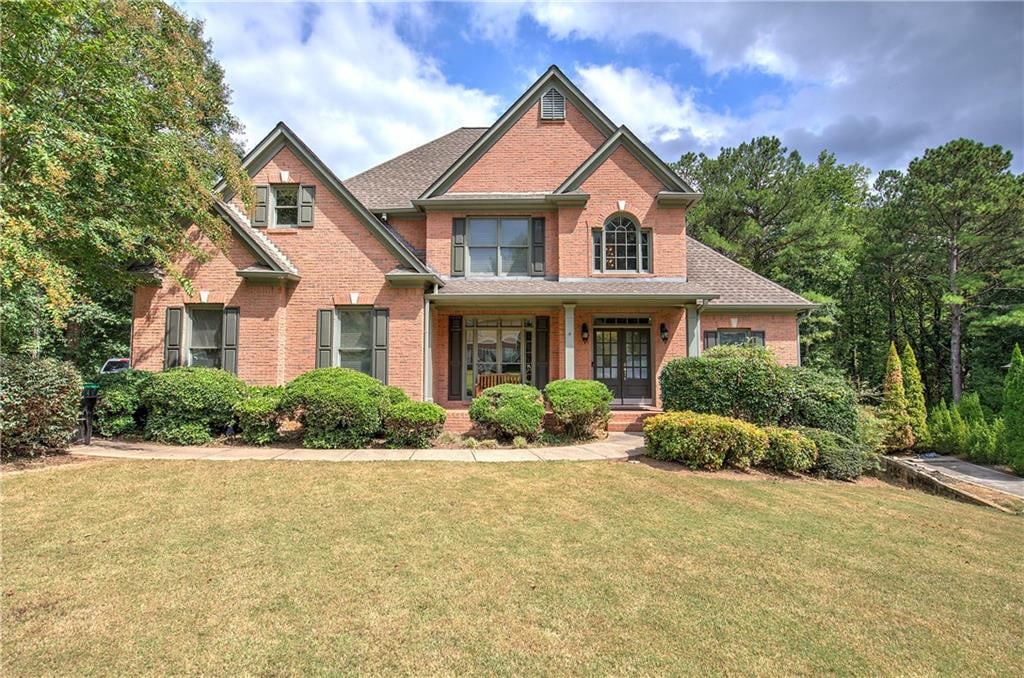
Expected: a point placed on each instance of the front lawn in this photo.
(302, 567)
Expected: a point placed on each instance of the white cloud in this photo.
(354, 91)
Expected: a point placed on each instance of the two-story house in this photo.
(549, 245)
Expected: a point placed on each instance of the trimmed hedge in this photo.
(579, 405)
(509, 410)
(39, 405)
(788, 450)
(413, 424)
(259, 414)
(741, 382)
(704, 441)
(337, 407)
(839, 458)
(119, 408)
(188, 405)
(821, 400)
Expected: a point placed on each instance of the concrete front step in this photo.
(631, 421)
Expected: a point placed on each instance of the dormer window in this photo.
(552, 105)
(286, 205)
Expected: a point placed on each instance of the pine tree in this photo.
(957, 432)
(899, 435)
(970, 408)
(1013, 413)
(940, 427)
(914, 389)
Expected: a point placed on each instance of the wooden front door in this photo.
(622, 361)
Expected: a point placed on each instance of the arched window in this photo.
(622, 247)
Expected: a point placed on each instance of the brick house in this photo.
(549, 245)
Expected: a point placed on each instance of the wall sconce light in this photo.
(663, 330)
(585, 333)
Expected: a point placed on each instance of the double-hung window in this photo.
(622, 247)
(206, 335)
(734, 336)
(499, 245)
(202, 335)
(286, 205)
(355, 339)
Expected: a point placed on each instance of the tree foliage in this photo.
(917, 411)
(116, 126)
(899, 434)
(1012, 438)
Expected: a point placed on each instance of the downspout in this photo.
(428, 349)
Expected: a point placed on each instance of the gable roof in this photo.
(623, 137)
(553, 76)
(733, 284)
(282, 136)
(270, 261)
(393, 184)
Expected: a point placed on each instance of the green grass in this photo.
(278, 567)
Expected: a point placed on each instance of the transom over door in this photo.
(622, 362)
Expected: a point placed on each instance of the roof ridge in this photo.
(718, 254)
(264, 241)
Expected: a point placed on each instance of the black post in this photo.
(89, 395)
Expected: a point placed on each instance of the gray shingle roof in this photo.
(394, 183)
(270, 252)
(674, 288)
(734, 284)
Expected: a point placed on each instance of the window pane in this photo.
(597, 250)
(355, 349)
(205, 357)
(483, 232)
(515, 232)
(515, 260)
(486, 352)
(286, 196)
(287, 216)
(733, 336)
(206, 328)
(645, 252)
(510, 347)
(483, 260)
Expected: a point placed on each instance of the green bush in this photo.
(508, 410)
(119, 407)
(899, 432)
(413, 424)
(40, 400)
(706, 441)
(742, 382)
(579, 405)
(789, 450)
(821, 400)
(260, 413)
(839, 458)
(187, 405)
(336, 406)
(870, 429)
(1011, 438)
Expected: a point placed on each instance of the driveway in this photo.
(972, 473)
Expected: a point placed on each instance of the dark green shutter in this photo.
(230, 361)
(537, 246)
(259, 215)
(307, 195)
(757, 338)
(650, 251)
(380, 344)
(458, 247)
(172, 337)
(324, 337)
(542, 373)
(455, 357)
(710, 339)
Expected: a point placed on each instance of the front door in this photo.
(622, 361)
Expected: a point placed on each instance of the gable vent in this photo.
(552, 105)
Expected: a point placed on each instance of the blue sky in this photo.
(876, 83)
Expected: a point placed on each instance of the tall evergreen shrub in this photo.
(914, 389)
(1012, 438)
(899, 435)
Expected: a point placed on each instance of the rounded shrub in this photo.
(581, 406)
(188, 405)
(39, 404)
(741, 382)
(508, 410)
(821, 400)
(704, 441)
(839, 458)
(119, 408)
(788, 450)
(259, 414)
(336, 406)
(413, 424)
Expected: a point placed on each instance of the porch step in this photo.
(457, 421)
(629, 420)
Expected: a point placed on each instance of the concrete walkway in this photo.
(616, 447)
(971, 473)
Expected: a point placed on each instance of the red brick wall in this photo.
(336, 257)
(533, 155)
(412, 228)
(780, 329)
(439, 236)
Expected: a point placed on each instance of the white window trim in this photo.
(186, 343)
(272, 205)
(640, 233)
(336, 340)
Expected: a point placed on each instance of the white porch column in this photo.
(692, 331)
(570, 340)
(428, 353)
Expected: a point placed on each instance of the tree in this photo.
(940, 427)
(1012, 438)
(967, 212)
(116, 126)
(899, 435)
(914, 390)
